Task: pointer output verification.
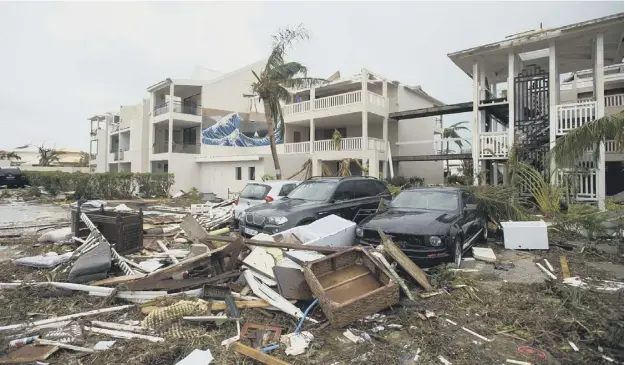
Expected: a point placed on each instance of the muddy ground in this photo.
(522, 315)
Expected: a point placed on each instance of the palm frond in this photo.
(287, 71)
(282, 42)
(572, 147)
(303, 82)
(455, 125)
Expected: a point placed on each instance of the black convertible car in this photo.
(429, 224)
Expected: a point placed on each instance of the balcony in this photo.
(182, 111)
(574, 115)
(190, 148)
(329, 145)
(494, 145)
(334, 105)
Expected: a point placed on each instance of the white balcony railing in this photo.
(574, 115)
(376, 99)
(583, 183)
(298, 147)
(610, 146)
(377, 144)
(494, 145)
(614, 100)
(302, 107)
(347, 144)
(333, 101)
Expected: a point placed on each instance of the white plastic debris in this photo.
(377, 329)
(549, 273)
(444, 360)
(103, 345)
(178, 194)
(43, 261)
(525, 235)
(197, 357)
(356, 338)
(484, 254)
(396, 326)
(296, 343)
(89, 205)
(573, 346)
(517, 362)
(58, 235)
(122, 208)
(602, 285)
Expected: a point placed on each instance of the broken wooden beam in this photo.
(293, 246)
(406, 263)
(257, 355)
(170, 284)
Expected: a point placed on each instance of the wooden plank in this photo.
(181, 284)
(193, 229)
(278, 245)
(237, 247)
(116, 280)
(565, 267)
(257, 355)
(185, 265)
(410, 267)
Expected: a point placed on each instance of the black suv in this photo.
(316, 198)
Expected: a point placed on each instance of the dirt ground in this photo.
(522, 315)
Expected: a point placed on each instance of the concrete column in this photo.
(312, 136)
(554, 96)
(312, 98)
(510, 95)
(151, 140)
(600, 98)
(365, 107)
(107, 139)
(385, 129)
(171, 118)
(316, 168)
(374, 165)
(476, 122)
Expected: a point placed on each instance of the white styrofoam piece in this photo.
(260, 260)
(197, 357)
(330, 231)
(484, 254)
(150, 265)
(103, 345)
(305, 256)
(530, 235)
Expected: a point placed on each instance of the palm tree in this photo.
(572, 147)
(47, 155)
(275, 79)
(7, 155)
(452, 132)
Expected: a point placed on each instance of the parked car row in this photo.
(429, 224)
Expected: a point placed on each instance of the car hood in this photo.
(418, 222)
(282, 208)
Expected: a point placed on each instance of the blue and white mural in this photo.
(227, 132)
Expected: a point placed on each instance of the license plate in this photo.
(251, 232)
(10, 177)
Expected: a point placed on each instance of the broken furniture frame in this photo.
(124, 230)
(350, 285)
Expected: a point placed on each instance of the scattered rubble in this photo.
(188, 278)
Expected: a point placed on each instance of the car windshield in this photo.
(255, 191)
(313, 190)
(424, 199)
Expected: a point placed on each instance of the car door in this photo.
(342, 201)
(466, 216)
(475, 215)
(366, 199)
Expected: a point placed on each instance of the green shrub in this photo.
(268, 177)
(108, 185)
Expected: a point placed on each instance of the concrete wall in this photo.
(186, 171)
(219, 177)
(226, 92)
(417, 129)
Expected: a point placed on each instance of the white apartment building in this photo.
(556, 80)
(212, 133)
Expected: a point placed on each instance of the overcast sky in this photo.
(64, 62)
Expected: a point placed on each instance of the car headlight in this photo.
(435, 241)
(278, 221)
(359, 232)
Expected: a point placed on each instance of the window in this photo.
(426, 200)
(346, 191)
(369, 188)
(297, 136)
(237, 173)
(255, 191)
(252, 173)
(286, 189)
(313, 190)
(188, 136)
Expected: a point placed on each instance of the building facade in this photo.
(535, 87)
(212, 134)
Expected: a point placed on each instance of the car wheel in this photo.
(457, 252)
(484, 235)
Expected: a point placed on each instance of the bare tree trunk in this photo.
(271, 128)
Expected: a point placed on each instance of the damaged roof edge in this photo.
(159, 85)
(527, 38)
